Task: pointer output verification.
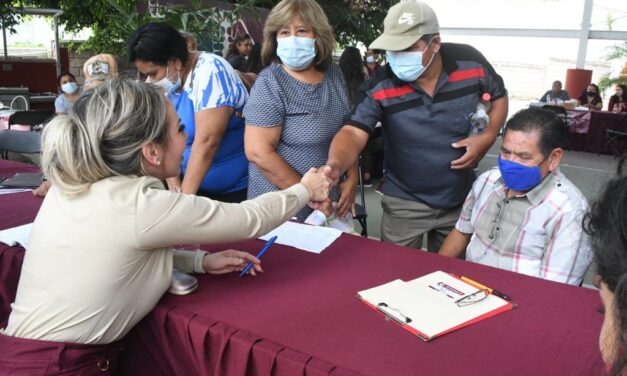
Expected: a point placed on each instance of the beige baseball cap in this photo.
(405, 23)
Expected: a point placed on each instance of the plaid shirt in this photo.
(538, 234)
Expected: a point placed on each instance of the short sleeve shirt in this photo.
(309, 114)
(213, 83)
(418, 129)
(62, 105)
(538, 234)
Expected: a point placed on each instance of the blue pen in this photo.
(263, 250)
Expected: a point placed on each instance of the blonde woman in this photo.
(99, 255)
(297, 103)
(98, 69)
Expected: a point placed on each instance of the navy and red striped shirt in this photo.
(419, 129)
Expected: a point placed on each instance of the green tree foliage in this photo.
(113, 21)
(617, 52)
(353, 20)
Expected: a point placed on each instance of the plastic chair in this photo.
(19, 142)
(30, 118)
(360, 208)
(615, 141)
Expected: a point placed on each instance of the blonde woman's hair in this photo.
(103, 135)
(313, 16)
(99, 68)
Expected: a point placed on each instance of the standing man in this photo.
(424, 98)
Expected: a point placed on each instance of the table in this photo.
(588, 130)
(301, 317)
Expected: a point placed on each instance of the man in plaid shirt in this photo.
(525, 215)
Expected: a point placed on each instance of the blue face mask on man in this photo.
(407, 65)
(296, 53)
(519, 177)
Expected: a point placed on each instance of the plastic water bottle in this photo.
(549, 98)
(480, 119)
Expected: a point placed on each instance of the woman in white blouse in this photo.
(99, 256)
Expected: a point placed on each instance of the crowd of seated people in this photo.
(218, 159)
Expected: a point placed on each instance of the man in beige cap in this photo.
(425, 99)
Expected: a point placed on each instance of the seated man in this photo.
(556, 94)
(525, 216)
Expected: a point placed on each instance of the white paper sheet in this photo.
(308, 238)
(17, 235)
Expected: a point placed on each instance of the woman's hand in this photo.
(230, 261)
(43, 188)
(317, 184)
(174, 184)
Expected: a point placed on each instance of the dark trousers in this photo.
(21, 356)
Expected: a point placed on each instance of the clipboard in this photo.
(434, 305)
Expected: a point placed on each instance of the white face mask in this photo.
(167, 85)
(370, 59)
(408, 65)
(69, 87)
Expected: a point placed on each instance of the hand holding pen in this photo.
(263, 250)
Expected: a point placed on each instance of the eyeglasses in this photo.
(473, 298)
(496, 222)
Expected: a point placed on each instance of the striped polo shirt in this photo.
(538, 234)
(419, 129)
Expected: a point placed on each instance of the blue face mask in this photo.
(407, 66)
(296, 53)
(69, 87)
(519, 177)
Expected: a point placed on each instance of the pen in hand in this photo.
(263, 250)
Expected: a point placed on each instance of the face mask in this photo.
(167, 85)
(370, 59)
(408, 65)
(296, 52)
(519, 177)
(69, 87)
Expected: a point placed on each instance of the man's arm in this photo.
(344, 150)
(568, 255)
(477, 146)
(455, 244)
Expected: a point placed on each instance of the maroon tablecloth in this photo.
(302, 317)
(591, 137)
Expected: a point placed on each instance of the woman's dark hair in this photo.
(63, 75)
(351, 64)
(157, 43)
(624, 97)
(606, 223)
(254, 59)
(553, 130)
(593, 85)
(239, 38)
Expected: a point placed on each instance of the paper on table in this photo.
(17, 235)
(308, 238)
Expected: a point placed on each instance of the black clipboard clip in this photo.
(394, 314)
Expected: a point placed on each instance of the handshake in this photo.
(318, 182)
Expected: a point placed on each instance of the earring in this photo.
(158, 162)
